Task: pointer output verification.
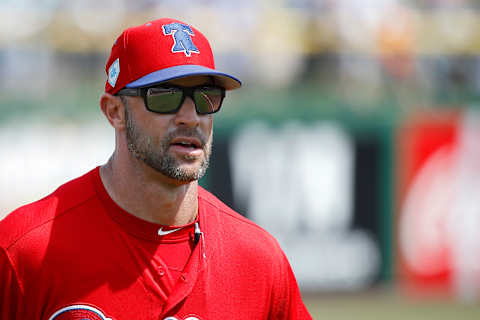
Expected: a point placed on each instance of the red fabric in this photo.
(76, 255)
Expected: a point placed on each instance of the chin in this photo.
(179, 169)
(184, 173)
(191, 173)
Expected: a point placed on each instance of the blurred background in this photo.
(355, 139)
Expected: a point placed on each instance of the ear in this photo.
(113, 109)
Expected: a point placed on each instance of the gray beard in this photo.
(142, 148)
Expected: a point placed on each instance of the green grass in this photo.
(388, 306)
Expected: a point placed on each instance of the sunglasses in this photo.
(169, 99)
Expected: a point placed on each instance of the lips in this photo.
(186, 142)
(188, 148)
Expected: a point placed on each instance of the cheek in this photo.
(157, 127)
(207, 125)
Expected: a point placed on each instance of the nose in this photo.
(187, 115)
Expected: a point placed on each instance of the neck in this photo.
(149, 195)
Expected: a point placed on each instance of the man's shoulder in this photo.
(39, 213)
(237, 228)
(225, 212)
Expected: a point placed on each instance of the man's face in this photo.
(176, 145)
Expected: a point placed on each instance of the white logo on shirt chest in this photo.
(162, 233)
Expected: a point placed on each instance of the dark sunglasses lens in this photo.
(164, 100)
(208, 100)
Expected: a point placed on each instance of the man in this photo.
(137, 238)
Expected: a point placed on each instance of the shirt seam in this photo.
(62, 213)
(15, 272)
(241, 218)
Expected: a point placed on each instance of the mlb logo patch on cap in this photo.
(158, 51)
(114, 72)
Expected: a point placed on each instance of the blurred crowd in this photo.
(417, 53)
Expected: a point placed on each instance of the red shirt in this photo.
(77, 255)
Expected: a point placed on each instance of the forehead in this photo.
(190, 81)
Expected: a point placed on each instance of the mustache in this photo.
(189, 133)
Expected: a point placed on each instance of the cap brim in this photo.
(223, 79)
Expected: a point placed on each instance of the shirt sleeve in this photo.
(10, 291)
(287, 301)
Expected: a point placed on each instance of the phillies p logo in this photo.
(79, 312)
(182, 38)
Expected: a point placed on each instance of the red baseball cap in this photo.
(158, 51)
